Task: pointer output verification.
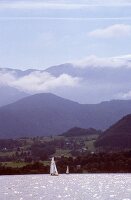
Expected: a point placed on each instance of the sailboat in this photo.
(53, 169)
(67, 170)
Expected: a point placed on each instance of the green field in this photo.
(14, 164)
(62, 152)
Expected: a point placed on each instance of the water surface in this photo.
(66, 187)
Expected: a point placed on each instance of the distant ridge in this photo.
(117, 136)
(47, 114)
(9, 95)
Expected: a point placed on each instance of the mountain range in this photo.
(84, 84)
(47, 114)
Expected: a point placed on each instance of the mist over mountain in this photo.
(92, 80)
(48, 114)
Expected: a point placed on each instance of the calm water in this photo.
(65, 187)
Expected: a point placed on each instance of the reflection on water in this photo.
(65, 187)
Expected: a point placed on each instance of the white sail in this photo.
(53, 169)
(67, 170)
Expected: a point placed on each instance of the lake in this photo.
(65, 187)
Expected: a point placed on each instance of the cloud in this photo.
(37, 81)
(39, 5)
(30, 4)
(99, 62)
(64, 18)
(126, 95)
(34, 10)
(114, 31)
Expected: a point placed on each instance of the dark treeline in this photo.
(9, 144)
(42, 151)
(97, 163)
(93, 163)
(34, 168)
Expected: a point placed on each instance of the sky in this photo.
(91, 34)
(39, 34)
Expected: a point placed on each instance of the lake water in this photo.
(66, 187)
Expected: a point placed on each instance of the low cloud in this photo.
(114, 31)
(38, 81)
(126, 95)
(104, 62)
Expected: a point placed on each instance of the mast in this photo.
(67, 170)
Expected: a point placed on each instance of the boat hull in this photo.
(54, 174)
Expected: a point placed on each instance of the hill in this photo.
(117, 136)
(48, 114)
(81, 132)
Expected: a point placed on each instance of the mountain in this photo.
(48, 114)
(76, 131)
(41, 114)
(17, 72)
(9, 95)
(117, 136)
